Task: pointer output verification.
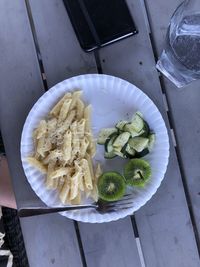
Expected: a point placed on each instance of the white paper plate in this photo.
(112, 99)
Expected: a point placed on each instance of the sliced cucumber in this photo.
(130, 129)
(128, 139)
(120, 154)
(138, 143)
(137, 122)
(109, 142)
(109, 155)
(130, 151)
(145, 130)
(121, 140)
(104, 135)
(152, 139)
(120, 125)
(139, 114)
(141, 154)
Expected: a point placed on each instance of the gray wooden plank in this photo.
(164, 224)
(185, 101)
(108, 245)
(57, 32)
(20, 87)
(49, 241)
(73, 55)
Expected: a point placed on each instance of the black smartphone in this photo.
(100, 22)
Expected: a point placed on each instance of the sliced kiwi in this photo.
(111, 186)
(137, 172)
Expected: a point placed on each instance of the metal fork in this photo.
(100, 206)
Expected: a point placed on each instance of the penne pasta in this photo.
(56, 109)
(64, 147)
(47, 145)
(64, 193)
(83, 147)
(41, 130)
(87, 117)
(40, 146)
(68, 121)
(49, 180)
(75, 140)
(64, 110)
(74, 185)
(81, 128)
(55, 183)
(92, 145)
(80, 181)
(53, 155)
(89, 160)
(51, 127)
(77, 199)
(76, 95)
(86, 174)
(37, 156)
(37, 164)
(80, 109)
(67, 146)
(61, 181)
(59, 172)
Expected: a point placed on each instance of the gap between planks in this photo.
(37, 48)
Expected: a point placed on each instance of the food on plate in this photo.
(132, 139)
(104, 134)
(111, 186)
(64, 147)
(137, 172)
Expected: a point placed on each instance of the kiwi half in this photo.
(111, 186)
(137, 172)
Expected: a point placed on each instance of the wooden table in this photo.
(38, 49)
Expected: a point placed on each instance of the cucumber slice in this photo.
(130, 151)
(121, 140)
(141, 154)
(109, 155)
(139, 114)
(120, 125)
(130, 129)
(104, 135)
(138, 143)
(145, 130)
(120, 154)
(109, 142)
(137, 122)
(152, 139)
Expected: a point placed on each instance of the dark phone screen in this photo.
(100, 22)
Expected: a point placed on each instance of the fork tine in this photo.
(124, 203)
(110, 207)
(114, 209)
(119, 205)
(125, 198)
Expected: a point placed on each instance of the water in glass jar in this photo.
(180, 60)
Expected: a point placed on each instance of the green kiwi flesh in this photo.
(111, 186)
(137, 172)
